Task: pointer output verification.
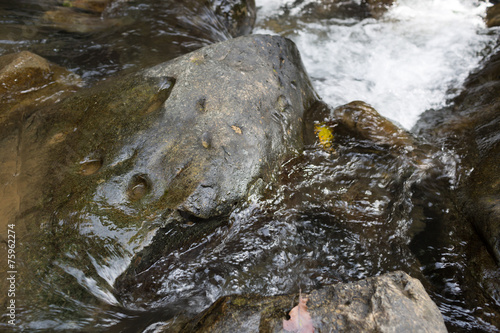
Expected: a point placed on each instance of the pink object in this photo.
(300, 320)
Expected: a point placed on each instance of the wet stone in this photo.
(393, 302)
(206, 140)
(90, 167)
(493, 16)
(313, 11)
(28, 81)
(139, 186)
(90, 214)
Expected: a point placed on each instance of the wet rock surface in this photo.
(237, 16)
(313, 11)
(394, 302)
(484, 204)
(308, 211)
(493, 16)
(327, 9)
(180, 143)
(148, 176)
(470, 127)
(27, 81)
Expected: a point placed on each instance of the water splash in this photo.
(412, 59)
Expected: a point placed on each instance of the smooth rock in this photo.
(75, 21)
(28, 81)
(24, 71)
(393, 302)
(493, 16)
(123, 164)
(470, 127)
(312, 11)
(368, 123)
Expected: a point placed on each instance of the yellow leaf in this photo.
(236, 129)
(325, 135)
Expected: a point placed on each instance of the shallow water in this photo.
(127, 36)
(335, 214)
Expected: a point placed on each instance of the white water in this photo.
(410, 60)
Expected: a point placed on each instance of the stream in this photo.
(341, 213)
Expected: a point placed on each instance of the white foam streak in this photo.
(402, 64)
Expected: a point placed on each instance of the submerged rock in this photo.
(470, 127)
(87, 16)
(75, 21)
(95, 6)
(326, 9)
(393, 302)
(294, 14)
(102, 172)
(28, 81)
(493, 16)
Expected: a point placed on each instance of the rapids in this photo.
(412, 59)
(333, 215)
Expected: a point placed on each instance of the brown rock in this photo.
(365, 120)
(21, 71)
(493, 16)
(394, 302)
(96, 6)
(28, 80)
(71, 20)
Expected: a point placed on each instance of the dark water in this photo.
(337, 217)
(336, 213)
(128, 34)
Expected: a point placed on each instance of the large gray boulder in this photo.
(393, 302)
(102, 172)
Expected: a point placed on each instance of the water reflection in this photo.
(329, 218)
(337, 215)
(99, 44)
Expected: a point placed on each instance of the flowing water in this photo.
(404, 63)
(340, 213)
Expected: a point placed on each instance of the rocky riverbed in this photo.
(164, 170)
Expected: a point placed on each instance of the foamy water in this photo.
(412, 59)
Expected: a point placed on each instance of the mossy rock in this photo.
(103, 175)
